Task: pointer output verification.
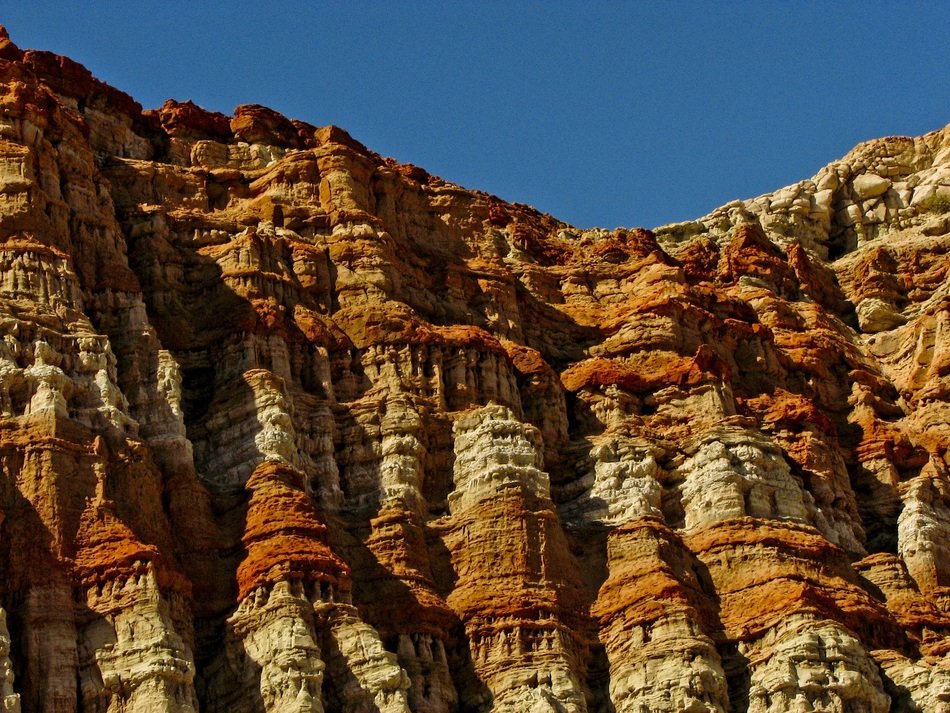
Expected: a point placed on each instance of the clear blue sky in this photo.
(601, 113)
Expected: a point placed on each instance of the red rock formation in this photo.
(656, 624)
(283, 536)
(516, 592)
(289, 426)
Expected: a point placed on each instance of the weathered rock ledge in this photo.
(286, 425)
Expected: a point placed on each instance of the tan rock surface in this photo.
(286, 425)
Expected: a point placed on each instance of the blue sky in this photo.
(601, 113)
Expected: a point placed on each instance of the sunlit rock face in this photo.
(517, 591)
(288, 426)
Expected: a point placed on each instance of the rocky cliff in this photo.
(286, 425)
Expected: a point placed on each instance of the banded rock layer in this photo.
(289, 426)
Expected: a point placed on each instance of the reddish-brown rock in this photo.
(286, 425)
(283, 536)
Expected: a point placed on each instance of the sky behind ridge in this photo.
(600, 113)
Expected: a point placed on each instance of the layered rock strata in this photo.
(286, 425)
(515, 593)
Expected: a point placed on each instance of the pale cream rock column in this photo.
(507, 548)
(276, 630)
(9, 699)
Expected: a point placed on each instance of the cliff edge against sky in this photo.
(289, 426)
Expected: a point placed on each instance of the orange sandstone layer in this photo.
(287, 425)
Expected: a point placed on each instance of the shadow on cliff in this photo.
(219, 337)
(705, 601)
(878, 501)
(53, 633)
(204, 324)
(560, 339)
(22, 524)
(384, 599)
(341, 688)
(392, 608)
(448, 282)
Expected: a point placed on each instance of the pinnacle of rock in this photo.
(290, 426)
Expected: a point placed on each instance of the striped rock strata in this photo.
(286, 425)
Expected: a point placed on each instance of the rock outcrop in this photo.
(286, 425)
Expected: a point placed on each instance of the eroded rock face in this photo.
(8, 697)
(286, 425)
(654, 622)
(516, 593)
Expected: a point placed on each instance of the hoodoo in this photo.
(289, 426)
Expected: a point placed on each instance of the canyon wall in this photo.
(286, 425)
